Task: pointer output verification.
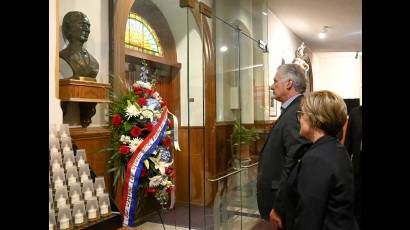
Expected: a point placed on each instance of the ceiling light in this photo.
(264, 13)
(223, 48)
(323, 33)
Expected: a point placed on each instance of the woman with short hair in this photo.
(319, 191)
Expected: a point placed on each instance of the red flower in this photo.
(149, 126)
(168, 170)
(135, 132)
(142, 101)
(149, 92)
(116, 119)
(124, 149)
(167, 141)
(163, 103)
(170, 188)
(138, 90)
(143, 172)
(174, 175)
(151, 190)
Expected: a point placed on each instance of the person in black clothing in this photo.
(353, 144)
(318, 194)
(284, 146)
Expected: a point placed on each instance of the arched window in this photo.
(140, 36)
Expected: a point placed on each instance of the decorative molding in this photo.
(84, 91)
(187, 3)
(205, 9)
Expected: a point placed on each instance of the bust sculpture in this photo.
(75, 29)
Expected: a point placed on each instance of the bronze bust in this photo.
(75, 29)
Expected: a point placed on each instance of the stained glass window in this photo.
(140, 36)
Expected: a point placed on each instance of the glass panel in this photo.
(242, 110)
(251, 16)
(253, 63)
(170, 23)
(228, 110)
(194, 101)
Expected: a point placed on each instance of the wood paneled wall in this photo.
(93, 139)
(202, 191)
(196, 151)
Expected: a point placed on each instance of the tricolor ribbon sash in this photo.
(175, 119)
(134, 167)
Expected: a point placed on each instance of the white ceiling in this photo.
(306, 19)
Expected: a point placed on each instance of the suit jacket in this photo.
(354, 131)
(319, 191)
(280, 153)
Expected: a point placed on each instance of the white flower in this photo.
(132, 111)
(155, 181)
(157, 115)
(166, 183)
(148, 114)
(160, 165)
(156, 96)
(125, 139)
(134, 143)
(142, 84)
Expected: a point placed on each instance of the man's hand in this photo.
(275, 219)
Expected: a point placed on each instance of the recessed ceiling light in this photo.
(322, 35)
(223, 48)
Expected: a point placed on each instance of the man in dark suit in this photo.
(284, 146)
(353, 144)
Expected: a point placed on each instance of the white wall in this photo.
(97, 45)
(177, 21)
(339, 72)
(282, 43)
(55, 115)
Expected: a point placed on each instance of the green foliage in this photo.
(242, 135)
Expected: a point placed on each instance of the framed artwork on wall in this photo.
(272, 104)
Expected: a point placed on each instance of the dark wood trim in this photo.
(90, 133)
(205, 9)
(187, 3)
(265, 122)
(134, 53)
(210, 100)
(191, 127)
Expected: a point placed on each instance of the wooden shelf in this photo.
(83, 91)
(86, 93)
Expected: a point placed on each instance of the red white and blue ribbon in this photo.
(134, 167)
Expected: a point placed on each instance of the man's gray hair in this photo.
(295, 73)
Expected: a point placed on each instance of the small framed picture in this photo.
(272, 104)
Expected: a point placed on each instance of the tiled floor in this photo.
(247, 223)
(156, 226)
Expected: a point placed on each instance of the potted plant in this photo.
(242, 138)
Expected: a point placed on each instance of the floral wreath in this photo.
(141, 142)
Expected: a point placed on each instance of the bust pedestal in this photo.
(86, 93)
